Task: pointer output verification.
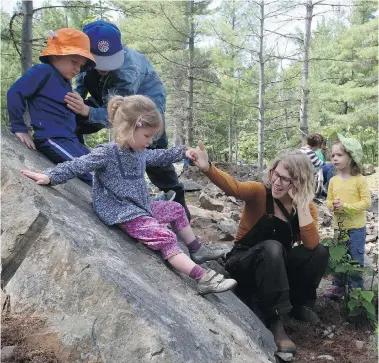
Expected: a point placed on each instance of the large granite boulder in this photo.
(105, 297)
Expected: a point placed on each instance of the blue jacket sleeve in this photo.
(97, 159)
(80, 87)
(158, 157)
(22, 90)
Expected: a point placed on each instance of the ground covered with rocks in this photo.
(215, 219)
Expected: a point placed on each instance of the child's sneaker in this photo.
(333, 292)
(204, 254)
(214, 282)
(168, 197)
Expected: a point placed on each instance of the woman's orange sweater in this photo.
(254, 195)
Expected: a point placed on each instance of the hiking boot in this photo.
(283, 342)
(214, 282)
(204, 254)
(334, 292)
(304, 313)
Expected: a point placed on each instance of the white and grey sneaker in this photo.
(204, 254)
(214, 282)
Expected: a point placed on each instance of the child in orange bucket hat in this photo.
(43, 89)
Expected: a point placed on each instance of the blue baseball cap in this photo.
(106, 46)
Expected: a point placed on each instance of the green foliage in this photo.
(340, 262)
(362, 302)
(342, 69)
(359, 301)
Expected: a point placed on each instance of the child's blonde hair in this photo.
(354, 167)
(127, 113)
(301, 172)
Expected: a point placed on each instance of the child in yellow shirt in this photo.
(348, 192)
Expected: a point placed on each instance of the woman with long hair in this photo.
(274, 277)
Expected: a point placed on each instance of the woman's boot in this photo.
(284, 343)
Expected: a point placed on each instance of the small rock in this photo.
(359, 344)
(326, 357)
(368, 247)
(287, 357)
(329, 332)
(235, 216)
(211, 204)
(232, 199)
(190, 186)
(200, 222)
(368, 169)
(7, 353)
(228, 226)
(371, 238)
(225, 236)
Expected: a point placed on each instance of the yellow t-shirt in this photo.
(356, 199)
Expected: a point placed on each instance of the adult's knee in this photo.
(321, 253)
(273, 249)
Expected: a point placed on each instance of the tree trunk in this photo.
(26, 37)
(26, 47)
(179, 138)
(261, 91)
(236, 142)
(231, 116)
(190, 72)
(304, 78)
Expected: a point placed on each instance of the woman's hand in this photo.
(76, 104)
(200, 157)
(40, 178)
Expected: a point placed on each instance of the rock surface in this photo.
(104, 295)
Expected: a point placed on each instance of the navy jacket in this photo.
(44, 89)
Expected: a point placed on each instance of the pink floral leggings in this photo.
(152, 230)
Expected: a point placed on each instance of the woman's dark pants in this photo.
(274, 279)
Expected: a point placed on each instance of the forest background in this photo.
(247, 77)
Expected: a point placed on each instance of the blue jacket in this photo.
(43, 88)
(136, 76)
(120, 192)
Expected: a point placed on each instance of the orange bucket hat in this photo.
(68, 41)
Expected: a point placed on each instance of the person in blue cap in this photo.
(120, 71)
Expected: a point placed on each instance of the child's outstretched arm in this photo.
(63, 172)
(160, 157)
(240, 190)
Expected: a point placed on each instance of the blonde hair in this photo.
(127, 113)
(354, 167)
(301, 172)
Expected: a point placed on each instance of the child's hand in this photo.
(38, 177)
(26, 139)
(337, 204)
(191, 153)
(76, 104)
